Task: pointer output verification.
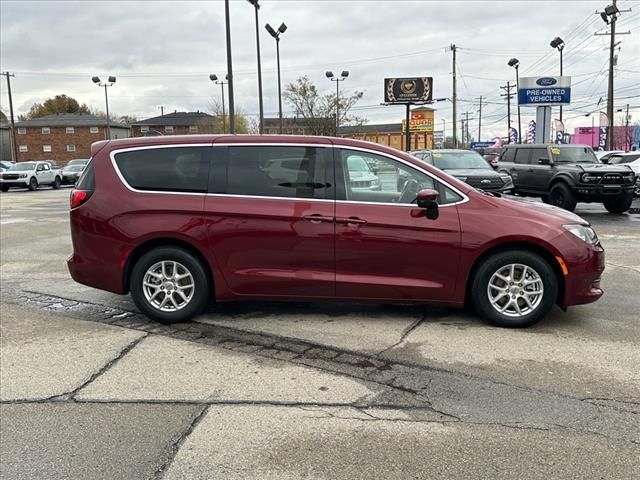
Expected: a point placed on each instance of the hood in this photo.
(543, 211)
(472, 172)
(600, 168)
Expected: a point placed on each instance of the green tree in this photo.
(318, 110)
(58, 104)
(221, 122)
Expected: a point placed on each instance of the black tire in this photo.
(562, 196)
(56, 183)
(4, 188)
(619, 204)
(493, 264)
(201, 290)
(33, 184)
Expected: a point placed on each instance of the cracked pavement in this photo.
(89, 388)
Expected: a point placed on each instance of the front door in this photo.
(386, 249)
(271, 220)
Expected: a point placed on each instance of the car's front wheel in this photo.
(4, 188)
(56, 183)
(33, 183)
(169, 285)
(514, 289)
(619, 204)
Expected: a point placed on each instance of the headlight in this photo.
(375, 182)
(628, 177)
(584, 233)
(23, 175)
(588, 178)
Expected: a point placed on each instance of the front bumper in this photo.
(582, 282)
(14, 183)
(598, 193)
(69, 180)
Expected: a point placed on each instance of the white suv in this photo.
(30, 175)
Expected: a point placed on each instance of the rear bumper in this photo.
(95, 274)
(582, 283)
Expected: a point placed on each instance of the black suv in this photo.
(563, 175)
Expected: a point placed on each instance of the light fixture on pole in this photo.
(515, 63)
(342, 78)
(558, 44)
(214, 78)
(260, 104)
(110, 81)
(276, 34)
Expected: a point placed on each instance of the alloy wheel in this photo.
(515, 290)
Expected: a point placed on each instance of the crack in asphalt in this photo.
(174, 446)
(459, 396)
(405, 333)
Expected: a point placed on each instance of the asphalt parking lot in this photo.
(91, 389)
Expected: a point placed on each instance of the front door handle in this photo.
(351, 221)
(317, 218)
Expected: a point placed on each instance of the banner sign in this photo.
(476, 145)
(408, 90)
(602, 143)
(531, 132)
(418, 125)
(544, 91)
(513, 135)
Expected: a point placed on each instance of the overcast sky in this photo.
(163, 51)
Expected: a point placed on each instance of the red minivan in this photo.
(181, 220)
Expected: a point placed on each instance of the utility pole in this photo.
(480, 120)
(232, 111)
(454, 97)
(14, 148)
(509, 96)
(462, 133)
(610, 16)
(467, 133)
(627, 134)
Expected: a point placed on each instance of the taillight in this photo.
(78, 197)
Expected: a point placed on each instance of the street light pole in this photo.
(515, 63)
(343, 77)
(110, 81)
(261, 107)
(276, 34)
(214, 78)
(558, 43)
(232, 113)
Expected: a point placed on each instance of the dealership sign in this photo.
(544, 91)
(408, 90)
(418, 125)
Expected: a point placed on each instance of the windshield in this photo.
(73, 168)
(23, 167)
(453, 160)
(617, 159)
(573, 155)
(357, 164)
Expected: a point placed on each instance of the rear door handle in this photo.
(351, 221)
(317, 218)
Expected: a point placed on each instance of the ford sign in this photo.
(546, 81)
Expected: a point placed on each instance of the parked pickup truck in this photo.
(30, 175)
(563, 175)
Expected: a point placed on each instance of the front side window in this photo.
(278, 171)
(177, 169)
(537, 154)
(392, 182)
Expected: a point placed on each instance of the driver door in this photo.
(386, 248)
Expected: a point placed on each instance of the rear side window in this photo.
(87, 179)
(178, 169)
(278, 171)
(522, 155)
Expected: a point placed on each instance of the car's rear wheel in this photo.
(169, 285)
(562, 196)
(4, 188)
(619, 204)
(56, 183)
(33, 184)
(514, 289)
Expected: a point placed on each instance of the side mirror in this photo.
(428, 199)
(544, 161)
(40, 168)
(604, 160)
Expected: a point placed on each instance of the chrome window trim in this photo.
(113, 153)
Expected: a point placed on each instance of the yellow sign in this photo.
(418, 125)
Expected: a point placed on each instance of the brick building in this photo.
(176, 123)
(63, 136)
